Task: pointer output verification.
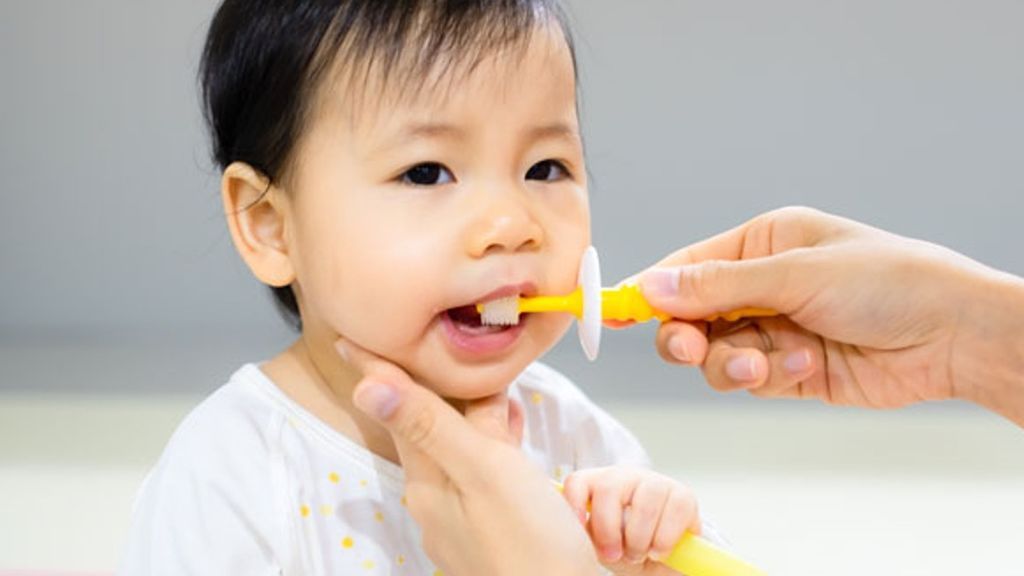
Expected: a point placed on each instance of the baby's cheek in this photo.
(385, 316)
(386, 332)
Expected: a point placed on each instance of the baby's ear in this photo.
(256, 212)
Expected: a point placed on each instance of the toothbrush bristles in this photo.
(501, 312)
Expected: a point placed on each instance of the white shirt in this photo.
(253, 484)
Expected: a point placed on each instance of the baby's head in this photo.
(390, 163)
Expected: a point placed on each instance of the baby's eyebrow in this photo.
(427, 130)
(440, 130)
(421, 131)
(557, 130)
(432, 130)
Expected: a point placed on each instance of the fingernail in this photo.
(611, 554)
(798, 362)
(657, 556)
(741, 369)
(661, 282)
(677, 347)
(377, 399)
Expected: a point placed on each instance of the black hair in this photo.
(264, 60)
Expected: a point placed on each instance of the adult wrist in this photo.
(989, 367)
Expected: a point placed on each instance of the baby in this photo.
(387, 165)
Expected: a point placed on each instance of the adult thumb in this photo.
(701, 290)
(430, 435)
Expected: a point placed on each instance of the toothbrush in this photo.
(695, 556)
(591, 304)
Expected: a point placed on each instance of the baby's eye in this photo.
(548, 170)
(427, 174)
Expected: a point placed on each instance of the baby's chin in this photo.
(470, 383)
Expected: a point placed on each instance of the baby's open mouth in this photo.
(467, 319)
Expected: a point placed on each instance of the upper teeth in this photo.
(501, 312)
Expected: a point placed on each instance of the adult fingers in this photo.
(730, 367)
(771, 358)
(432, 438)
(789, 372)
(749, 265)
(764, 235)
(682, 343)
(702, 290)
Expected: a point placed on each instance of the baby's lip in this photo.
(526, 289)
(507, 291)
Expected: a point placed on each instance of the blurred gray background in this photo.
(123, 301)
(117, 274)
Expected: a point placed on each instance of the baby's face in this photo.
(406, 212)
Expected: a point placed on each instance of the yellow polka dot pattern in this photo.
(348, 542)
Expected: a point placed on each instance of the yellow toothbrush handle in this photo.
(743, 313)
(571, 303)
(627, 304)
(695, 556)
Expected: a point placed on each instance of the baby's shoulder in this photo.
(215, 482)
(230, 429)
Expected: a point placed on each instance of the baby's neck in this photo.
(323, 385)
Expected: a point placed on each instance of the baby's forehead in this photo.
(370, 91)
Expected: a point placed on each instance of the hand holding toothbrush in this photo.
(483, 500)
(869, 318)
(466, 479)
(634, 516)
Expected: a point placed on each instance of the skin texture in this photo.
(485, 508)
(660, 511)
(376, 258)
(869, 318)
(903, 320)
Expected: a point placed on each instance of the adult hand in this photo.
(868, 318)
(482, 506)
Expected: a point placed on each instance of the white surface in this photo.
(589, 281)
(799, 490)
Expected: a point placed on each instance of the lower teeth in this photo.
(480, 329)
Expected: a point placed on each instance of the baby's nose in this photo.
(504, 222)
